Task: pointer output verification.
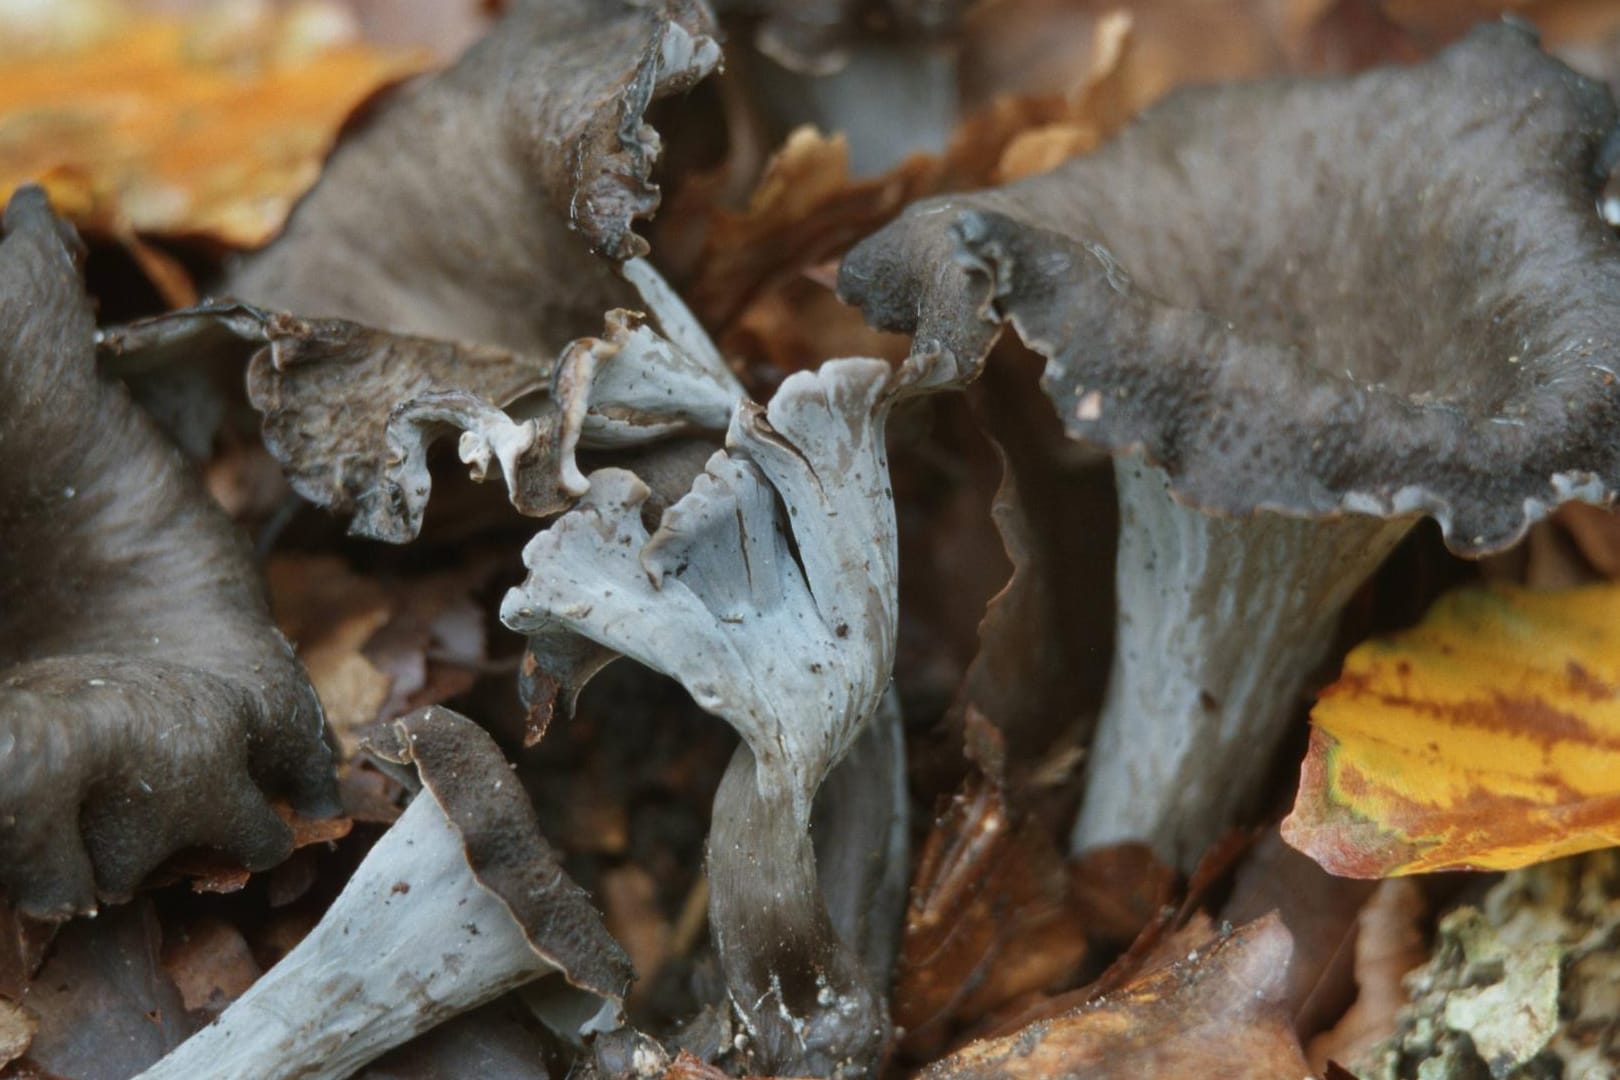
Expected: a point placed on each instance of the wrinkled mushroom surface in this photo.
(147, 702)
(769, 592)
(460, 901)
(1348, 302)
(351, 411)
(466, 208)
(1387, 294)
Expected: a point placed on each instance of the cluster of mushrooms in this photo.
(1296, 325)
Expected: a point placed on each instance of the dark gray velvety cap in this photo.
(147, 701)
(464, 772)
(1388, 294)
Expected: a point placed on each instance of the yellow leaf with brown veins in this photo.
(1486, 737)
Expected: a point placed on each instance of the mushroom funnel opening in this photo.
(1316, 306)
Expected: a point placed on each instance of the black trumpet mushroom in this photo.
(147, 701)
(1303, 314)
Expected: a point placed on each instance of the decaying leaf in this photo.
(329, 613)
(1486, 737)
(106, 1007)
(1215, 1012)
(500, 1039)
(805, 208)
(1389, 944)
(213, 125)
(991, 917)
(18, 1026)
(210, 964)
(147, 702)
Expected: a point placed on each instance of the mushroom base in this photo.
(412, 940)
(1220, 622)
(805, 1000)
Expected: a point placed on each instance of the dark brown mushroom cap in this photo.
(1389, 294)
(464, 772)
(147, 702)
(468, 206)
(350, 411)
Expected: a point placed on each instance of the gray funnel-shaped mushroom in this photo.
(1304, 313)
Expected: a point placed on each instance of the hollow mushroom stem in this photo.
(808, 998)
(460, 901)
(1220, 622)
(373, 973)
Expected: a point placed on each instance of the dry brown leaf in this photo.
(1596, 532)
(210, 871)
(804, 209)
(1389, 943)
(629, 898)
(1320, 912)
(212, 125)
(210, 963)
(1217, 1011)
(1119, 890)
(18, 1027)
(991, 917)
(329, 613)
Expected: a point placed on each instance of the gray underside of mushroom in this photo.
(1220, 621)
(1350, 300)
(460, 901)
(413, 940)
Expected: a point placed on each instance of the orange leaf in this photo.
(1217, 1011)
(211, 126)
(1486, 737)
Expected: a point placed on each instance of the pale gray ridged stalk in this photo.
(1220, 622)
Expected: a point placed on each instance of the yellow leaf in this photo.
(211, 126)
(1486, 737)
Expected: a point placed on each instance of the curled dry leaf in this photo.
(1485, 737)
(1217, 1011)
(1442, 381)
(147, 702)
(805, 208)
(464, 873)
(1320, 912)
(1596, 534)
(210, 126)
